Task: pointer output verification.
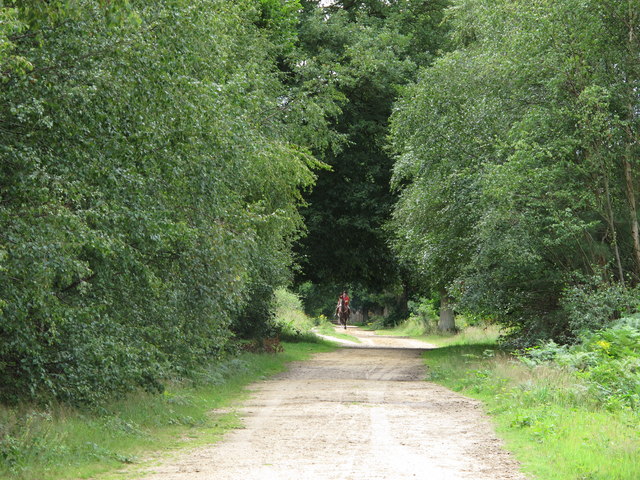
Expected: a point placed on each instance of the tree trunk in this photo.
(403, 301)
(614, 233)
(633, 211)
(632, 138)
(447, 322)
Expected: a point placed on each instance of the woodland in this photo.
(166, 166)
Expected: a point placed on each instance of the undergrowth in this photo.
(608, 360)
(550, 415)
(291, 323)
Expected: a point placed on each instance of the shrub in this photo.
(592, 305)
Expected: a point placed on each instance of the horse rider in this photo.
(343, 297)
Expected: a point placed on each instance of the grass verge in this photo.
(487, 334)
(329, 330)
(59, 443)
(546, 415)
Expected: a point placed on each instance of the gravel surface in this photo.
(363, 412)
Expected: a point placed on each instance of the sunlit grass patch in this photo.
(412, 327)
(471, 335)
(291, 321)
(415, 327)
(328, 329)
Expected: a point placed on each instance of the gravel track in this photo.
(363, 412)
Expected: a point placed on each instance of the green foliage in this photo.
(279, 19)
(515, 164)
(150, 177)
(319, 299)
(291, 322)
(422, 320)
(590, 306)
(286, 302)
(609, 360)
(11, 25)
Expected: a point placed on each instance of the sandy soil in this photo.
(362, 412)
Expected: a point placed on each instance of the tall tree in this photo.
(442, 130)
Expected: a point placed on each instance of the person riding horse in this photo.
(342, 309)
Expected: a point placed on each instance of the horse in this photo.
(342, 312)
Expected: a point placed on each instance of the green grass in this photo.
(63, 443)
(328, 329)
(414, 328)
(546, 415)
(469, 336)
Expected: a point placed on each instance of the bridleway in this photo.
(362, 412)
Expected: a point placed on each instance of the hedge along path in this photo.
(361, 412)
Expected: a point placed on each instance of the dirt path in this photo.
(360, 413)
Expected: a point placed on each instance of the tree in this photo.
(534, 154)
(441, 130)
(150, 181)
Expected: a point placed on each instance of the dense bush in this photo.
(591, 305)
(149, 185)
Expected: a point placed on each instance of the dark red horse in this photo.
(342, 312)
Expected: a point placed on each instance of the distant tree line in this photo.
(373, 49)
